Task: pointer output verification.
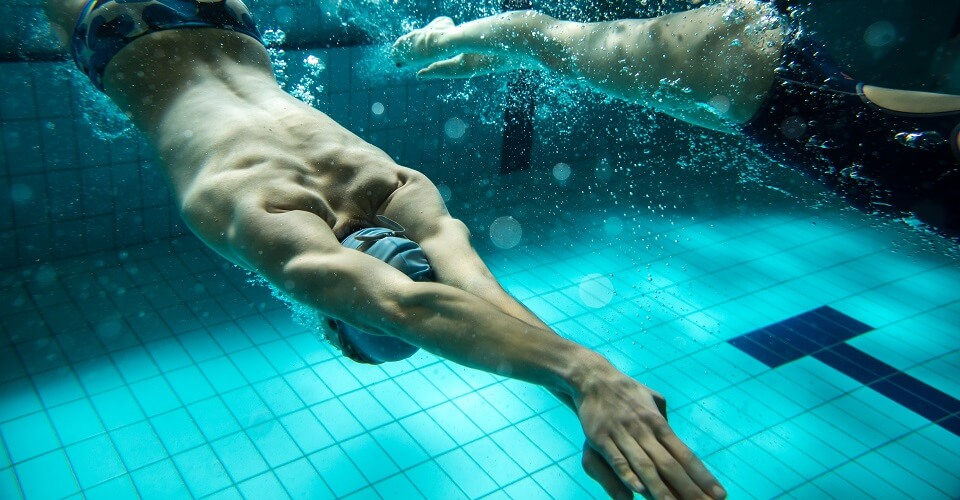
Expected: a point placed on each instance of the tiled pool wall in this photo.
(69, 186)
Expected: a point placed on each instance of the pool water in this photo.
(806, 350)
(170, 375)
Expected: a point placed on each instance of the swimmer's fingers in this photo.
(465, 66)
(424, 45)
(634, 466)
(598, 469)
(693, 468)
(660, 464)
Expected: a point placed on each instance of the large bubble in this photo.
(505, 232)
(613, 226)
(455, 128)
(596, 290)
(720, 104)
(561, 171)
(445, 192)
(20, 193)
(793, 127)
(880, 34)
(110, 327)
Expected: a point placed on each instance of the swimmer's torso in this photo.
(208, 102)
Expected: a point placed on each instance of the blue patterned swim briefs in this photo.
(105, 27)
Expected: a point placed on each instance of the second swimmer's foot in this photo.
(424, 45)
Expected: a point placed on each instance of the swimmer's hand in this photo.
(466, 66)
(426, 45)
(630, 443)
(433, 49)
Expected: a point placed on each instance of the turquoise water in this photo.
(193, 383)
(134, 362)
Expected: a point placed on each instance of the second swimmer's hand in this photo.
(423, 46)
(625, 424)
(466, 66)
(432, 48)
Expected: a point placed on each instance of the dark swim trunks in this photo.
(816, 118)
(106, 26)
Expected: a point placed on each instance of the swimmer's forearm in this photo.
(502, 300)
(469, 331)
(444, 320)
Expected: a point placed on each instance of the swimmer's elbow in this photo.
(333, 285)
(417, 304)
(309, 277)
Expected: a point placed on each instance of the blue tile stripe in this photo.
(823, 334)
(808, 333)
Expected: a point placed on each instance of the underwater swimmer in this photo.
(735, 67)
(275, 186)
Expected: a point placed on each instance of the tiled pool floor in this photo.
(163, 373)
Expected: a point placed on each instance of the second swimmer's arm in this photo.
(677, 63)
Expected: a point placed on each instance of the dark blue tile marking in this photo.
(865, 361)
(793, 337)
(916, 403)
(856, 364)
(848, 323)
(931, 394)
(823, 334)
(756, 350)
(951, 424)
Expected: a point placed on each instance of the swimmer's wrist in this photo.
(586, 373)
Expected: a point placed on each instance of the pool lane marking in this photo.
(823, 334)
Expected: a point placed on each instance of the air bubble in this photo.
(720, 103)
(613, 226)
(377, 108)
(929, 139)
(20, 193)
(561, 171)
(445, 192)
(596, 290)
(880, 34)
(455, 128)
(793, 127)
(505, 232)
(734, 15)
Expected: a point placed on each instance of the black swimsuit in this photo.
(816, 118)
(106, 26)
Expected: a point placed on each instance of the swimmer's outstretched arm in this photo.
(709, 66)
(620, 417)
(453, 258)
